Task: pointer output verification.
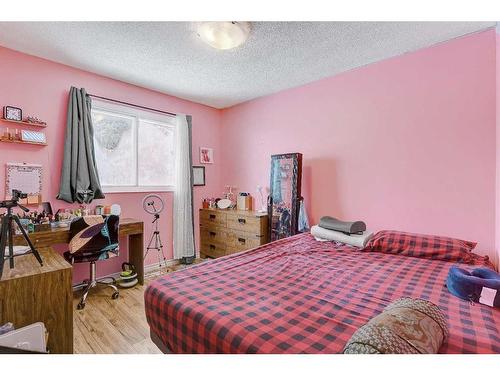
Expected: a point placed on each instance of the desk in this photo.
(132, 228)
(30, 293)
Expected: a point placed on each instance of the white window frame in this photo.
(138, 114)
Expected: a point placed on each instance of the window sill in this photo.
(137, 189)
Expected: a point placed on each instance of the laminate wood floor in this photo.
(110, 326)
(107, 326)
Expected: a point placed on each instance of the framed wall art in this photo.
(12, 113)
(198, 175)
(26, 178)
(206, 155)
(32, 136)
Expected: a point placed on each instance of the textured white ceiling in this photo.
(169, 57)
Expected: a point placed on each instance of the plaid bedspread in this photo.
(298, 295)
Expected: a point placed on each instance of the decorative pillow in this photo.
(406, 326)
(481, 285)
(421, 246)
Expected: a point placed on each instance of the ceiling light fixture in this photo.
(224, 35)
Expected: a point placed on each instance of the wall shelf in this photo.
(23, 123)
(25, 142)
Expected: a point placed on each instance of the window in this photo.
(134, 149)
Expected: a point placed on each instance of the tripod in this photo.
(7, 228)
(155, 238)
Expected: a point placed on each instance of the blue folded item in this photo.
(482, 285)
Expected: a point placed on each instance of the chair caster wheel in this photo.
(80, 306)
(115, 295)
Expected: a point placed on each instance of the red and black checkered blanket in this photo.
(298, 295)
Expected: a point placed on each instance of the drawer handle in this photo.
(242, 221)
(212, 216)
(212, 234)
(212, 247)
(241, 240)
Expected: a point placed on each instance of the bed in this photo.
(298, 295)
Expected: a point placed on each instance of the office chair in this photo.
(93, 238)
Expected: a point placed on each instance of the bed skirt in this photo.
(157, 341)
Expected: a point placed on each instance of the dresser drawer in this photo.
(213, 250)
(242, 240)
(233, 250)
(244, 223)
(213, 234)
(214, 217)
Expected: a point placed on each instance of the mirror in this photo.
(284, 197)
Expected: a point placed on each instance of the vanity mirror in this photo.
(284, 197)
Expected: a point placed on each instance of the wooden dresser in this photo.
(224, 232)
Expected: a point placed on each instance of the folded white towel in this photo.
(358, 240)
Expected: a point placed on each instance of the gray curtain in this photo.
(79, 178)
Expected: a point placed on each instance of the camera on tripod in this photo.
(13, 202)
(8, 221)
(18, 194)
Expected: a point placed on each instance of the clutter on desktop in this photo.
(44, 219)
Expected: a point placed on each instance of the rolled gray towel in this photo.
(349, 227)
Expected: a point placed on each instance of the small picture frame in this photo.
(32, 136)
(206, 155)
(12, 113)
(198, 175)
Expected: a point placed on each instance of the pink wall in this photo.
(497, 223)
(407, 143)
(41, 87)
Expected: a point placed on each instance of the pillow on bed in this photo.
(406, 326)
(421, 246)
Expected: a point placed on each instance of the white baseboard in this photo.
(150, 268)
